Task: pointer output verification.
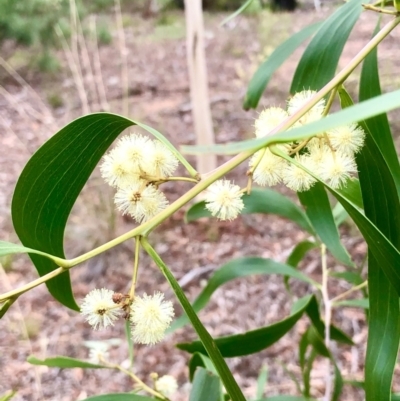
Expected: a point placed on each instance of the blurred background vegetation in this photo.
(40, 23)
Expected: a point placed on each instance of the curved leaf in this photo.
(299, 251)
(206, 386)
(336, 334)
(261, 201)
(200, 360)
(319, 61)
(260, 79)
(251, 341)
(381, 204)
(241, 267)
(51, 182)
(318, 210)
(64, 362)
(379, 125)
(358, 112)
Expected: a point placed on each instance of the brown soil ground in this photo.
(159, 96)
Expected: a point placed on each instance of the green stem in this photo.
(344, 294)
(209, 344)
(32, 284)
(138, 381)
(135, 268)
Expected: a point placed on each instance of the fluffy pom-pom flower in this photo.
(268, 120)
(166, 385)
(296, 178)
(141, 203)
(336, 169)
(269, 170)
(224, 200)
(117, 170)
(150, 317)
(299, 100)
(100, 309)
(163, 161)
(136, 148)
(348, 139)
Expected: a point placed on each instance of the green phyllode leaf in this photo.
(206, 386)
(49, 186)
(51, 182)
(200, 360)
(241, 267)
(261, 201)
(251, 341)
(369, 108)
(64, 362)
(320, 60)
(379, 173)
(318, 210)
(378, 126)
(260, 79)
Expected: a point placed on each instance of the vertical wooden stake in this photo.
(198, 83)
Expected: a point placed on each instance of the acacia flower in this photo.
(150, 317)
(142, 203)
(162, 161)
(299, 100)
(224, 200)
(268, 120)
(117, 170)
(166, 385)
(136, 148)
(348, 139)
(269, 170)
(296, 178)
(99, 308)
(336, 169)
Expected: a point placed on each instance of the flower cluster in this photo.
(134, 167)
(329, 155)
(149, 315)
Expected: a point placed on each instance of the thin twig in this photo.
(74, 70)
(86, 60)
(97, 68)
(327, 319)
(344, 294)
(124, 54)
